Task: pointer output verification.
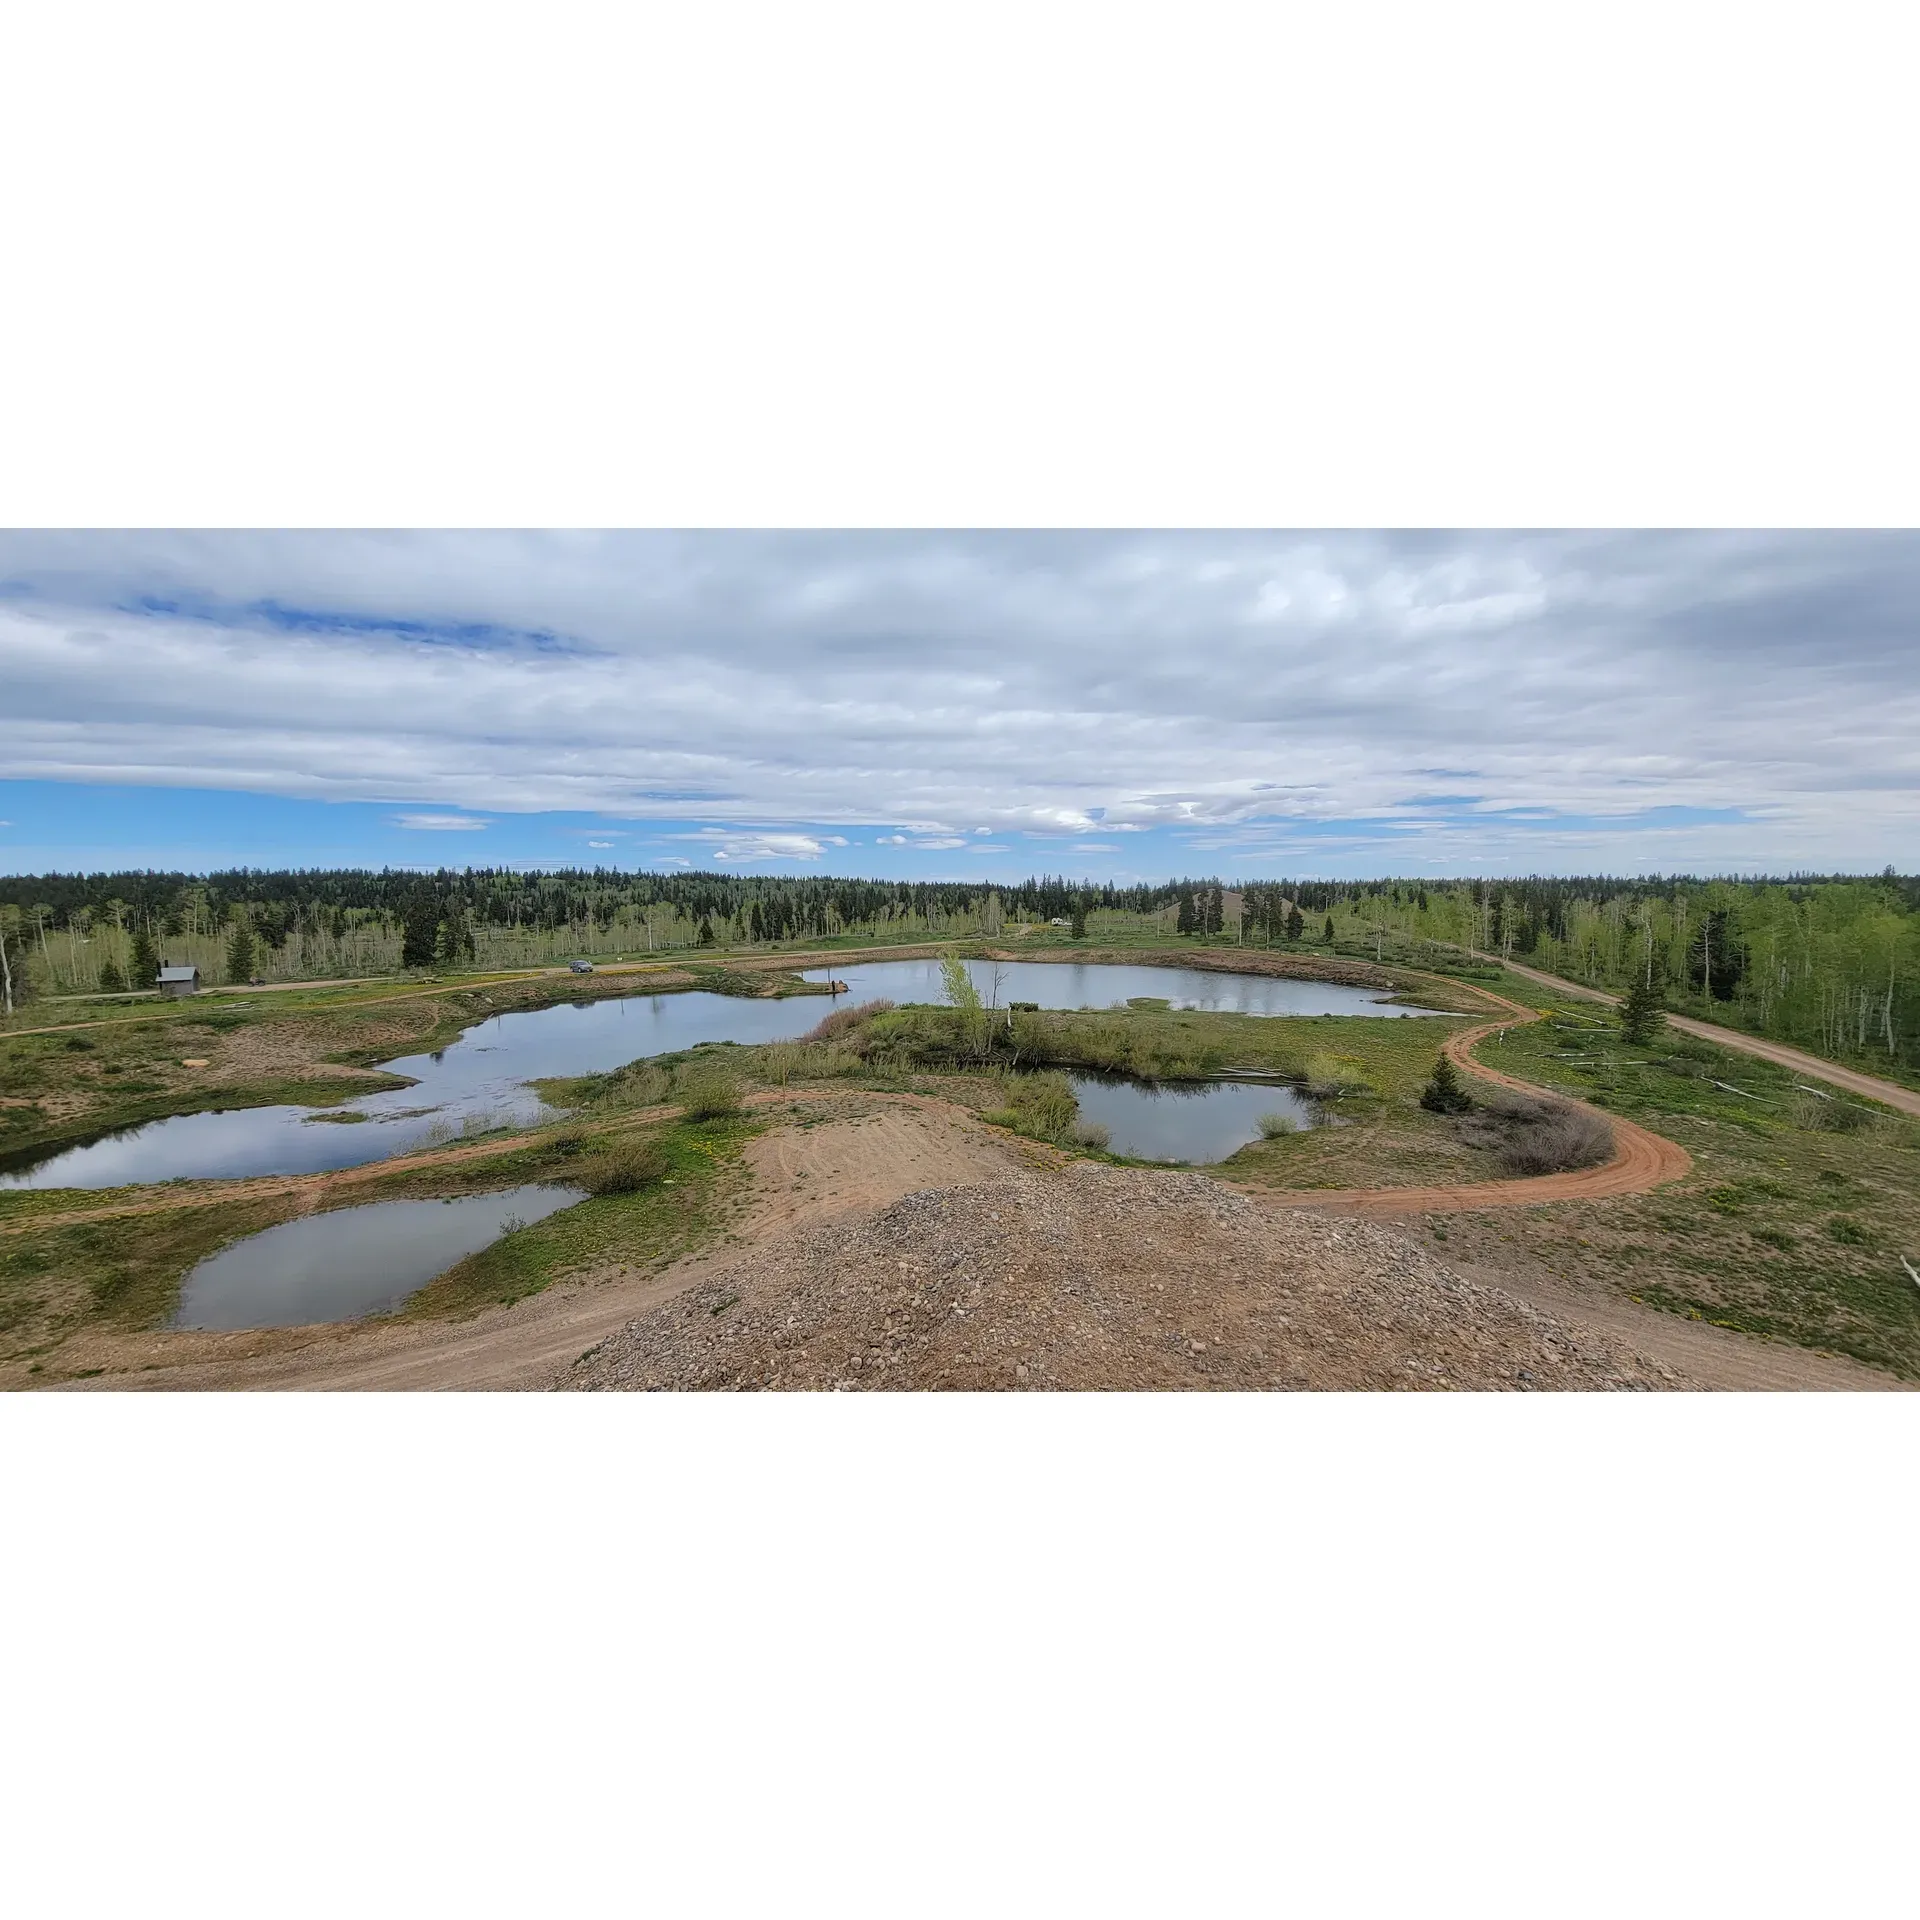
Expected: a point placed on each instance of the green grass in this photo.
(658, 1223)
(61, 1276)
(1783, 1230)
(121, 1273)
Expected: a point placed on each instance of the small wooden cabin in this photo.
(177, 982)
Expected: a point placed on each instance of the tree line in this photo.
(1828, 961)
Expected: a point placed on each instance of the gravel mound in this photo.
(1100, 1278)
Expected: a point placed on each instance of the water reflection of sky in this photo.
(481, 1078)
(1193, 1124)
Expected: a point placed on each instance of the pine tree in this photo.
(1643, 1014)
(110, 980)
(1296, 925)
(1184, 924)
(143, 971)
(240, 952)
(1445, 1093)
(421, 932)
(1079, 916)
(1328, 935)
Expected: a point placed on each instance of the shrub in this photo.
(780, 1062)
(1329, 1076)
(707, 1095)
(626, 1167)
(1091, 1134)
(1042, 1106)
(1273, 1125)
(1821, 1113)
(1540, 1136)
(845, 1021)
(1045, 1105)
(1849, 1233)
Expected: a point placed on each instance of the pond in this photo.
(360, 1260)
(480, 1079)
(1192, 1123)
(477, 1081)
(1071, 985)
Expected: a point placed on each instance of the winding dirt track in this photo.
(1641, 1160)
(1866, 1085)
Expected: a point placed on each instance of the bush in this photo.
(1042, 1106)
(1045, 1105)
(1540, 1136)
(1273, 1125)
(844, 1021)
(1091, 1134)
(1821, 1113)
(626, 1167)
(709, 1096)
(1329, 1076)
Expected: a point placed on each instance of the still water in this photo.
(1193, 1124)
(481, 1077)
(1070, 986)
(338, 1266)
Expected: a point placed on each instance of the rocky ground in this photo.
(1100, 1278)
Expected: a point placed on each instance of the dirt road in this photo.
(1641, 1159)
(1889, 1093)
(801, 1179)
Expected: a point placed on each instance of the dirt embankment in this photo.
(1106, 1279)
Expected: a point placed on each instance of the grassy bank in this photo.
(317, 1048)
(60, 1275)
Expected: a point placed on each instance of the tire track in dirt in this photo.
(1869, 1086)
(1641, 1159)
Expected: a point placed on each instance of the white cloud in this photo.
(737, 849)
(600, 843)
(438, 823)
(1071, 687)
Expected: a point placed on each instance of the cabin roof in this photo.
(179, 973)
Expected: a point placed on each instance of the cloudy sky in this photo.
(1110, 704)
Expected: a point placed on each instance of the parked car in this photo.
(579, 966)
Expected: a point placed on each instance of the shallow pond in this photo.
(360, 1260)
(1193, 1124)
(1071, 985)
(480, 1079)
